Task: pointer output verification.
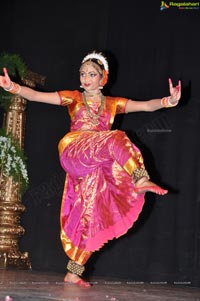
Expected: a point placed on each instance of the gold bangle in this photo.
(167, 102)
(14, 88)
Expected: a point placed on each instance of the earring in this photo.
(81, 86)
(100, 87)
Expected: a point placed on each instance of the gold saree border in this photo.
(130, 166)
(72, 251)
(66, 140)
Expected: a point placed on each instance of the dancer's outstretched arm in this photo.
(26, 92)
(158, 103)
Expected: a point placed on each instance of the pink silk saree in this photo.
(99, 202)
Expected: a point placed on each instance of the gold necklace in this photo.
(94, 117)
(91, 95)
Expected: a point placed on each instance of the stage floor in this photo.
(39, 286)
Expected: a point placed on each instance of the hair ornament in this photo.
(99, 57)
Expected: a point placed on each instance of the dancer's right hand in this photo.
(5, 81)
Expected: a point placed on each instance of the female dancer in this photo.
(106, 179)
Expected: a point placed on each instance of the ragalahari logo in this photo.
(164, 5)
(179, 5)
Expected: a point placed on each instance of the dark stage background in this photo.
(144, 46)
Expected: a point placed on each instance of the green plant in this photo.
(12, 160)
(17, 70)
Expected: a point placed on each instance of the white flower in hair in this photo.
(97, 56)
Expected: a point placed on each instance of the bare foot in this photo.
(75, 279)
(144, 185)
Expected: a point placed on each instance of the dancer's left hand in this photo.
(175, 92)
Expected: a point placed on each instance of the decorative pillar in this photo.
(11, 206)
